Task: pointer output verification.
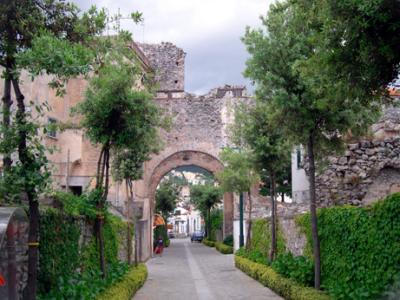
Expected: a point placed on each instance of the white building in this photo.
(300, 185)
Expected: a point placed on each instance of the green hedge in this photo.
(360, 254)
(208, 243)
(224, 249)
(132, 281)
(287, 288)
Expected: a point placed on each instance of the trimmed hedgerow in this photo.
(360, 253)
(224, 249)
(127, 287)
(285, 287)
(208, 243)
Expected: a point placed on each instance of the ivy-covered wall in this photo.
(67, 245)
(360, 255)
(261, 241)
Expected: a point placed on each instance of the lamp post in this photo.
(241, 234)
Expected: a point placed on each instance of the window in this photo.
(298, 158)
(51, 129)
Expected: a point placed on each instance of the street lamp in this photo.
(241, 234)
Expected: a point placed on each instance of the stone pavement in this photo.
(191, 271)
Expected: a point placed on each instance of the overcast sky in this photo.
(208, 31)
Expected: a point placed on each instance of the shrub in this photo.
(285, 287)
(224, 249)
(253, 255)
(360, 253)
(229, 240)
(208, 243)
(86, 285)
(161, 230)
(298, 268)
(127, 286)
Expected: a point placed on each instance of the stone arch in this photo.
(187, 158)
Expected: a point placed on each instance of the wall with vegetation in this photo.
(68, 251)
(359, 248)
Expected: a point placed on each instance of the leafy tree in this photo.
(294, 66)
(117, 118)
(239, 175)
(205, 197)
(270, 152)
(21, 21)
(166, 197)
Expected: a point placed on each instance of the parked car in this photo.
(171, 234)
(197, 236)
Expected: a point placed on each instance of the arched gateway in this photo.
(198, 135)
(199, 132)
(188, 158)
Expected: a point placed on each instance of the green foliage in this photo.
(228, 240)
(76, 206)
(205, 197)
(64, 261)
(126, 288)
(86, 285)
(270, 149)
(59, 248)
(166, 197)
(239, 174)
(209, 243)
(224, 249)
(261, 237)
(298, 268)
(359, 248)
(217, 221)
(287, 288)
(254, 255)
(161, 230)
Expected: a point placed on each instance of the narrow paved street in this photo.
(193, 271)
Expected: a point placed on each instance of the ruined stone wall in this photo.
(168, 62)
(368, 170)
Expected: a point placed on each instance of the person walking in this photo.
(159, 246)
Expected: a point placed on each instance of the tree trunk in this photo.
(313, 212)
(272, 252)
(26, 162)
(6, 121)
(283, 197)
(249, 224)
(102, 178)
(209, 224)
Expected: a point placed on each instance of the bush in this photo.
(161, 230)
(360, 253)
(127, 286)
(298, 268)
(217, 221)
(287, 288)
(228, 240)
(253, 255)
(208, 243)
(224, 249)
(86, 285)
